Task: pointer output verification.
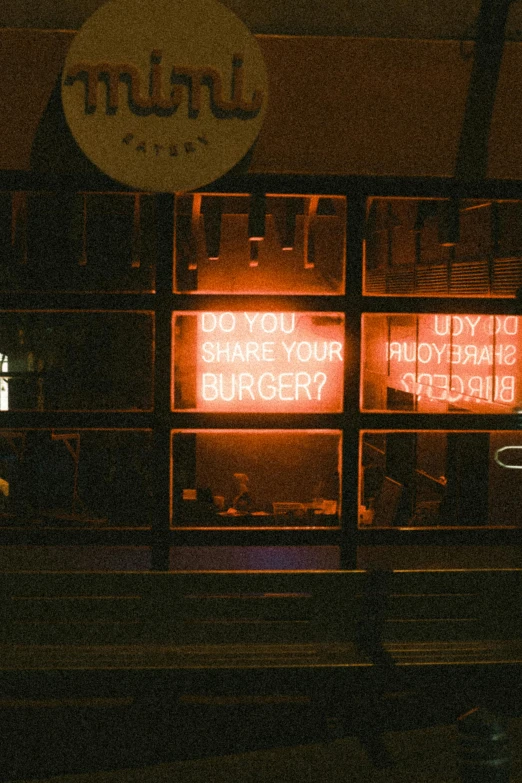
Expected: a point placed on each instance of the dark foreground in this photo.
(154, 741)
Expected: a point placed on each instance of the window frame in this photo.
(351, 421)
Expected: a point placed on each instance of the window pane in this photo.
(440, 247)
(75, 360)
(80, 242)
(297, 246)
(440, 479)
(258, 362)
(75, 478)
(256, 478)
(439, 363)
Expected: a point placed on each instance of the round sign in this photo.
(164, 95)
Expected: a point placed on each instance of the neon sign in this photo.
(505, 451)
(464, 360)
(269, 361)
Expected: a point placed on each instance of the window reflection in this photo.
(439, 479)
(441, 247)
(75, 360)
(438, 363)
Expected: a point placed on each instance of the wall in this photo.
(358, 105)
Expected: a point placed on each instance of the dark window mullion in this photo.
(162, 378)
(356, 210)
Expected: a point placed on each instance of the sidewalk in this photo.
(421, 756)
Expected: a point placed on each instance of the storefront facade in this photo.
(311, 363)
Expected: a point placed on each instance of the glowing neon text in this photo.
(270, 361)
(470, 364)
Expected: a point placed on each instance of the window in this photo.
(437, 363)
(260, 366)
(431, 357)
(74, 364)
(75, 479)
(77, 242)
(433, 478)
(443, 247)
(278, 360)
(70, 360)
(267, 478)
(260, 244)
(269, 362)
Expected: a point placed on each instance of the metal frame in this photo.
(160, 538)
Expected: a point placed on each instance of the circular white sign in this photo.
(164, 95)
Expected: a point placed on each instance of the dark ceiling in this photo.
(443, 19)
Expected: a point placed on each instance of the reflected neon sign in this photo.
(473, 361)
(270, 361)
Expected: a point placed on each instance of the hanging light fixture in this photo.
(309, 231)
(195, 230)
(256, 225)
(257, 217)
(212, 211)
(136, 233)
(449, 223)
(291, 208)
(77, 229)
(19, 226)
(254, 253)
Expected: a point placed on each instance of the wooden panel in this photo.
(267, 605)
(432, 252)
(247, 632)
(431, 605)
(253, 606)
(337, 129)
(31, 633)
(434, 606)
(510, 229)
(224, 619)
(351, 122)
(205, 656)
(455, 652)
(431, 630)
(457, 581)
(476, 239)
(74, 608)
(50, 583)
(179, 607)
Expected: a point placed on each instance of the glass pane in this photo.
(260, 245)
(440, 479)
(440, 247)
(256, 478)
(67, 360)
(440, 363)
(80, 242)
(76, 478)
(258, 362)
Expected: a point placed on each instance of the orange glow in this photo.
(269, 361)
(255, 361)
(469, 362)
(293, 478)
(301, 250)
(417, 467)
